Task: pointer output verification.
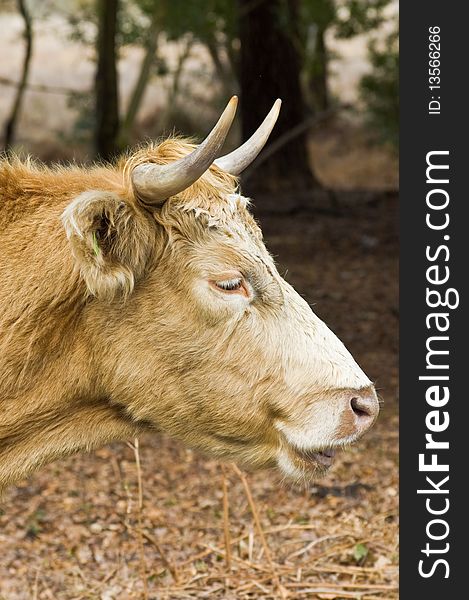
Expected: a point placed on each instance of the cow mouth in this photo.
(322, 458)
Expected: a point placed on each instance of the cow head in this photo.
(192, 328)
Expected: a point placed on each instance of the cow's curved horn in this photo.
(155, 183)
(242, 157)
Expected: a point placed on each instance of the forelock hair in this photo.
(211, 191)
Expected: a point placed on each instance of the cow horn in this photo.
(156, 183)
(242, 157)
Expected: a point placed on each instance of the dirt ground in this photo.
(75, 530)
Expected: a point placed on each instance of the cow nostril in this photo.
(361, 410)
(362, 407)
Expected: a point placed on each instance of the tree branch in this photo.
(10, 126)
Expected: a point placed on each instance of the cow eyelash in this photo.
(230, 285)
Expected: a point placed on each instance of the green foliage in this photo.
(360, 552)
(85, 121)
(380, 89)
(358, 16)
(346, 19)
(133, 22)
(320, 13)
(82, 19)
(34, 524)
(202, 18)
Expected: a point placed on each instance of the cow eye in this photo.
(230, 285)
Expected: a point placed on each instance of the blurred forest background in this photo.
(87, 78)
(83, 80)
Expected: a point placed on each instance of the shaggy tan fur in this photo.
(107, 328)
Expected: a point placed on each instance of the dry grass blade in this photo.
(357, 586)
(36, 586)
(312, 544)
(340, 548)
(350, 570)
(282, 591)
(242, 561)
(143, 570)
(329, 593)
(168, 564)
(233, 542)
(226, 520)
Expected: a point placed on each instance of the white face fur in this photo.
(315, 377)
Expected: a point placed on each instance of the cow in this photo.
(140, 296)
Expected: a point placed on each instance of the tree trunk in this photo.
(319, 75)
(10, 126)
(270, 67)
(176, 84)
(223, 71)
(142, 81)
(107, 103)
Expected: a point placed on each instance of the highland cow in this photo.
(140, 297)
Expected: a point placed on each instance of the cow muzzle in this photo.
(360, 411)
(312, 449)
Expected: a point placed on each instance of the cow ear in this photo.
(111, 242)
